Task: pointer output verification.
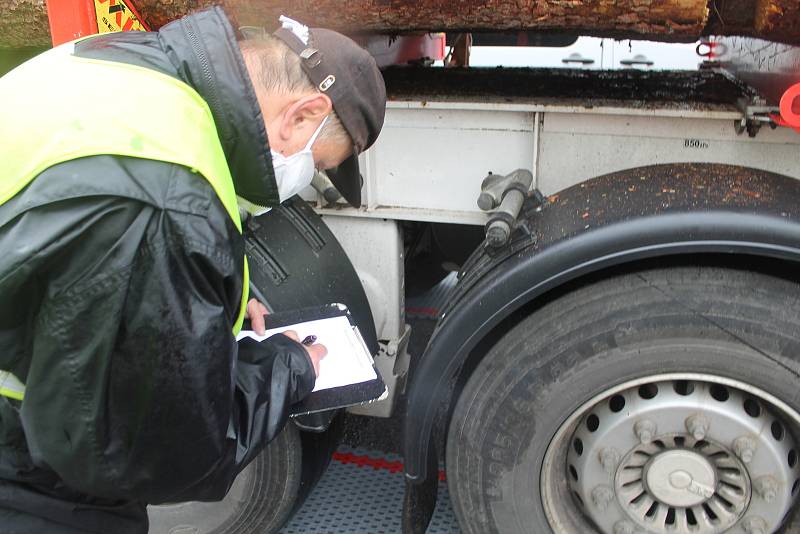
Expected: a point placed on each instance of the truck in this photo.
(620, 352)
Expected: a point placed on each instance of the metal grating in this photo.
(362, 492)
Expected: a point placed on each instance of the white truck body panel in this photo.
(431, 158)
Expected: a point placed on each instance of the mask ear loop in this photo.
(316, 133)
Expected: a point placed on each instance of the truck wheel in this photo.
(659, 401)
(264, 495)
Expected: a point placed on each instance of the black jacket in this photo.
(120, 280)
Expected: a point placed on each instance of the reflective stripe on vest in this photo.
(10, 386)
(58, 107)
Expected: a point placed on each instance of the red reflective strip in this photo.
(790, 106)
(375, 463)
(423, 311)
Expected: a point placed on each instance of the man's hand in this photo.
(316, 351)
(255, 312)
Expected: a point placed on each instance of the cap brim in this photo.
(347, 180)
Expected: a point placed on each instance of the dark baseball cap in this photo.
(348, 74)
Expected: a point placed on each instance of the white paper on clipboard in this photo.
(347, 361)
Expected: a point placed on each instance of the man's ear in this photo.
(306, 111)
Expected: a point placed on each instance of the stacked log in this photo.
(779, 19)
(644, 17)
(24, 22)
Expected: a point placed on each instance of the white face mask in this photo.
(294, 173)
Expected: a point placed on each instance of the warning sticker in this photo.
(117, 16)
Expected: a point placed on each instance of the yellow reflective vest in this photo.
(87, 107)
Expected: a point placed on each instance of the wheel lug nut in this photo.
(754, 525)
(645, 430)
(767, 488)
(623, 527)
(609, 459)
(602, 497)
(745, 448)
(697, 425)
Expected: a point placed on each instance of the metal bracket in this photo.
(505, 195)
(755, 114)
(392, 361)
(323, 185)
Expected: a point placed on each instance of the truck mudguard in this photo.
(654, 211)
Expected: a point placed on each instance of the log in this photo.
(643, 17)
(24, 22)
(731, 17)
(778, 18)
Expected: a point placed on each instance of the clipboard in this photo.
(334, 397)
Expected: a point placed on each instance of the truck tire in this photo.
(264, 495)
(662, 400)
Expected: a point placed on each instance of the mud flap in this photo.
(296, 262)
(419, 500)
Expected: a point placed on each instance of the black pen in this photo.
(309, 340)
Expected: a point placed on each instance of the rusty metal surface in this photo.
(702, 89)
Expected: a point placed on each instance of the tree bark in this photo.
(778, 18)
(24, 22)
(648, 17)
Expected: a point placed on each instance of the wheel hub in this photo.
(680, 456)
(680, 478)
(677, 480)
